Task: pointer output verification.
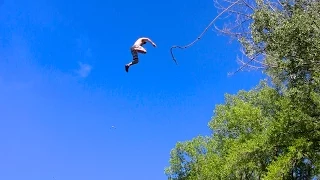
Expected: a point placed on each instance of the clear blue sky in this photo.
(63, 86)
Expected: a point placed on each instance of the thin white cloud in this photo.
(84, 70)
(83, 51)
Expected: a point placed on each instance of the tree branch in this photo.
(205, 30)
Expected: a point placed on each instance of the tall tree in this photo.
(272, 131)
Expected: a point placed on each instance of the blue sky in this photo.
(63, 86)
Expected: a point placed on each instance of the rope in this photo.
(205, 30)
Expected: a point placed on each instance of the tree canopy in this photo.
(272, 131)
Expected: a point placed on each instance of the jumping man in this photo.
(137, 47)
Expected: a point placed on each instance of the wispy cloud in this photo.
(84, 52)
(84, 69)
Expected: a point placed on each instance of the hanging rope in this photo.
(205, 30)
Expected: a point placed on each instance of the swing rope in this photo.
(199, 37)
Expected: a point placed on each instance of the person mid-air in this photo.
(137, 47)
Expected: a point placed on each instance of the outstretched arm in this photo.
(150, 41)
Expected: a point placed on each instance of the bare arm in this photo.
(150, 41)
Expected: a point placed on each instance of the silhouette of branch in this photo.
(205, 30)
(247, 64)
(240, 15)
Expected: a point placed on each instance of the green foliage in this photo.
(267, 132)
(258, 134)
(290, 40)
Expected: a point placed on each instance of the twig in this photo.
(239, 69)
(252, 59)
(271, 7)
(239, 13)
(247, 4)
(280, 3)
(205, 30)
(251, 66)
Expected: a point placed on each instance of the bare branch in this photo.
(184, 47)
(251, 66)
(247, 64)
(271, 7)
(247, 4)
(240, 13)
(241, 67)
(229, 33)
